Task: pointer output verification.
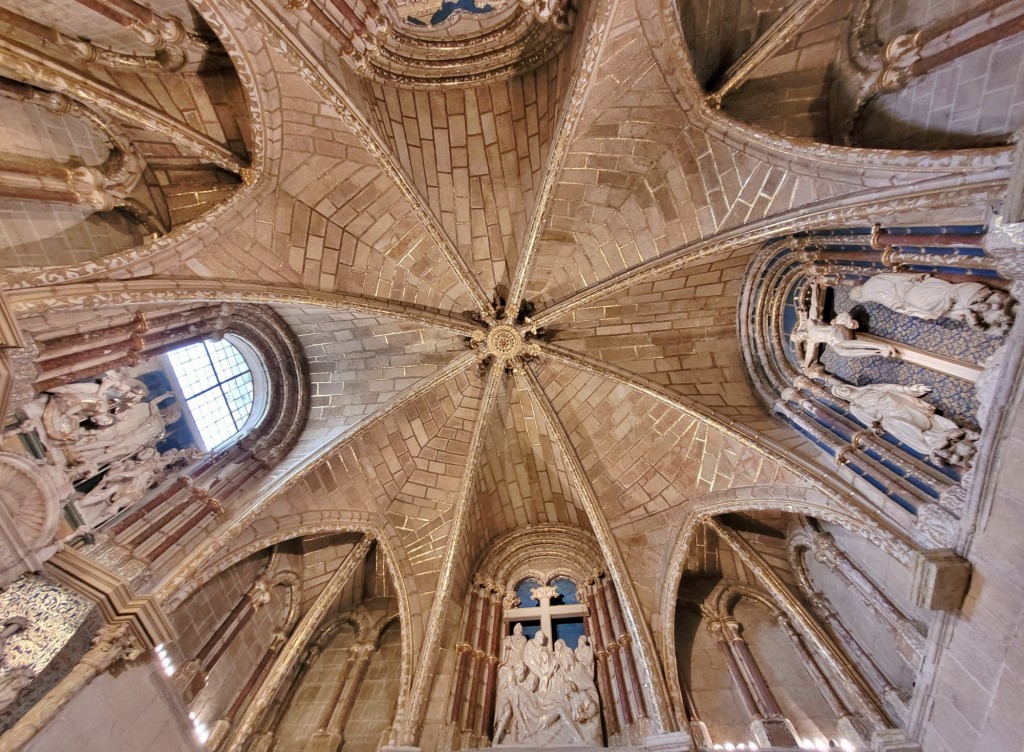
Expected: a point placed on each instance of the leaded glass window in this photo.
(217, 385)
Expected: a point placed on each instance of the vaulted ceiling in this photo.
(594, 186)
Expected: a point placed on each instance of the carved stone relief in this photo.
(546, 695)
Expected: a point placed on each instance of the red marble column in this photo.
(629, 660)
(495, 635)
(738, 679)
(210, 506)
(179, 484)
(620, 697)
(479, 663)
(462, 663)
(604, 681)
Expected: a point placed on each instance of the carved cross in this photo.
(545, 611)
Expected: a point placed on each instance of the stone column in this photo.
(495, 596)
(717, 629)
(769, 725)
(462, 663)
(478, 665)
(626, 653)
(892, 699)
(195, 673)
(856, 689)
(619, 698)
(781, 32)
(329, 737)
(698, 729)
(271, 722)
(851, 725)
(296, 642)
(220, 730)
(910, 640)
(604, 679)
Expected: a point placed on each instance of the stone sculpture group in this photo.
(106, 429)
(546, 696)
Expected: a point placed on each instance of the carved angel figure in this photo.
(900, 411)
(926, 297)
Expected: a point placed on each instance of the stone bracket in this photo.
(941, 578)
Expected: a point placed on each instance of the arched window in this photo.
(224, 385)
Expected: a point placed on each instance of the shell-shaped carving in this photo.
(31, 505)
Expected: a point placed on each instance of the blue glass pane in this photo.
(566, 592)
(568, 629)
(523, 591)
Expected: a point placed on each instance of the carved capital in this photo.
(258, 593)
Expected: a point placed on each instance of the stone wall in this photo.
(375, 705)
(133, 711)
(978, 692)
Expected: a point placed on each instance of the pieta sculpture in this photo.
(546, 694)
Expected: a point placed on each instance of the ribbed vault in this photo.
(584, 187)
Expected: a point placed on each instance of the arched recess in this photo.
(764, 628)
(229, 631)
(345, 688)
(790, 500)
(83, 362)
(155, 160)
(234, 549)
(663, 28)
(872, 73)
(540, 555)
(745, 556)
(881, 381)
(869, 595)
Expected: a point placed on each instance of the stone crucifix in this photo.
(545, 611)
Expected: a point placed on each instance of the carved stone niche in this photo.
(29, 515)
(940, 581)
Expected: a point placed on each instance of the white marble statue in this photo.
(926, 297)
(126, 481)
(139, 425)
(838, 334)
(900, 411)
(546, 696)
(69, 410)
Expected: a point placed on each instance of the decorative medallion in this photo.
(505, 341)
(510, 341)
